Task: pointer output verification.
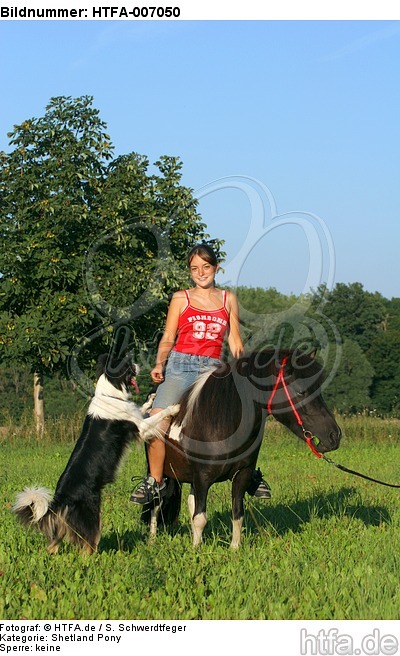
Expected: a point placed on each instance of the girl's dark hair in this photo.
(205, 252)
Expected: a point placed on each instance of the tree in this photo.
(72, 267)
(357, 314)
(151, 223)
(263, 301)
(136, 264)
(349, 388)
(50, 186)
(384, 355)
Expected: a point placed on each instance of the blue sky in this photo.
(288, 131)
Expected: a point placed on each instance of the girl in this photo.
(197, 321)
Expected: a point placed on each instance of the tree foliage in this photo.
(357, 332)
(357, 314)
(90, 243)
(50, 190)
(372, 322)
(384, 355)
(349, 389)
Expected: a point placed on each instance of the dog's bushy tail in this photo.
(33, 508)
(32, 505)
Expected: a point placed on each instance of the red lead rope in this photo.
(281, 379)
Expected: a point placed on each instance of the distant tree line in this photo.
(362, 352)
(357, 333)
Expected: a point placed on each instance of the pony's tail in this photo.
(32, 506)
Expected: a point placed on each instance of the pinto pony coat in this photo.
(216, 435)
(112, 422)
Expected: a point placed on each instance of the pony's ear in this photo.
(307, 353)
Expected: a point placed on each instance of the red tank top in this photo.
(201, 332)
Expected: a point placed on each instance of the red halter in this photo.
(280, 379)
(309, 437)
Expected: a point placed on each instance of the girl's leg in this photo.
(156, 450)
(153, 486)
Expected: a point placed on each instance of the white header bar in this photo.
(197, 10)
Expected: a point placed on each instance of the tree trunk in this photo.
(38, 399)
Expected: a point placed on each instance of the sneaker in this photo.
(263, 491)
(148, 491)
(258, 488)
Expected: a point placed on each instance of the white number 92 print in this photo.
(203, 330)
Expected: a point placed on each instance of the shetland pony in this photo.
(217, 433)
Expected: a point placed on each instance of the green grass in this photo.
(326, 546)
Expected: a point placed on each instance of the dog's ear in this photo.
(121, 342)
(101, 364)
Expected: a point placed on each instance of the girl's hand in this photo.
(157, 374)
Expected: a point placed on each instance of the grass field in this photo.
(325, 547)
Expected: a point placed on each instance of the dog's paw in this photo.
(148, 404)
(174, 409)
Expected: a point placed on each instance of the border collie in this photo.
(112, 422)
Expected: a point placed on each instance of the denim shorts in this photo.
(181, 371)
